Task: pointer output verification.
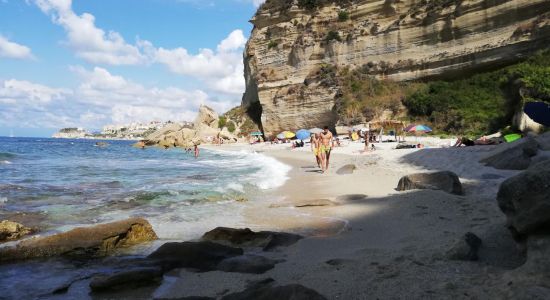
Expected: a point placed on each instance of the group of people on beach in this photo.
(321, 145)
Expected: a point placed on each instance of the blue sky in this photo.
(91, 63)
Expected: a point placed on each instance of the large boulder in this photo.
(512, 156)
(267, 290)
(10, 231)
(164, 131)
(206, 116)
(267, 240)
(446, 181)
(203, 255)
(466, 248)
(525, 199)
(544, 141)
(94, 241)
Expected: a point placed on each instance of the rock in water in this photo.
(254, 264)
(525, 199)
(446, 181)
(99, 240)
(126, 279)
(512, 156)
(466, 248)
(10, 231)
(266, 290)
(267, 240)
(202, 255)
(347, 169)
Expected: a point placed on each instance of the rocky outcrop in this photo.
(267, 289)
(525, 199)
(446, 181)
(136, 277)
(512, 156)
(99, 240)
(466, 248)
(293, 51)
(267, 240)
(247, 263)
(10, 231)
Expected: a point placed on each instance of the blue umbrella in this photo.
(303, 134)
(539, 112)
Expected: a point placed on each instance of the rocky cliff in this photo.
(295, 44)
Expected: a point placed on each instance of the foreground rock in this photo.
(267, 290)
(446, 181)
(544, 141)
(204, 255)
(465, 248)
(525, 199)
(99, 240)
(10, 231)
(137, 277)
(267, 240)
(248, 263)
(512, 156)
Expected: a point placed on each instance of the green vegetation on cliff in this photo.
(236, 118)
(480, 104)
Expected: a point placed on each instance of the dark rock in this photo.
(466, 248)
(446, 181)
(314, 202)
(347, 169)
(525, 199)
(204, 255)
(268, 240)
(351, 198)
(94, 241)
(247, 264)
(512, 156)
(10, 231)
(544, 141)
(127, 279)
(266, 290)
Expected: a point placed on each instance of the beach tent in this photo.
(538, 112)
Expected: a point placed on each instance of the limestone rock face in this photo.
(99, 240)
(206, 116)
(288, 56)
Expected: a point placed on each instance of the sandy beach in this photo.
(365, 240)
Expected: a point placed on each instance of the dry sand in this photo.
(370, 241)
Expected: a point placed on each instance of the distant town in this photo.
(132, 131)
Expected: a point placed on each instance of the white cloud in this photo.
(257, 3)
(100, 98)
(10, 49)
(89, 42)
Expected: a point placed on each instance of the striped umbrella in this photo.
(418, 128)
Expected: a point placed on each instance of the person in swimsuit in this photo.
(325, 148)
(315, 148)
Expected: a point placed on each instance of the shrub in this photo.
(272, 44)
(343, 16)
(333, 35)
(222, 121)
(231, 126)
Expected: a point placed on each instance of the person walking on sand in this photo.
(197, 151)
(315, 148)
(325, 148)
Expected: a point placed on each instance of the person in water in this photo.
(325, 148)
(197, 151)
(315, 148)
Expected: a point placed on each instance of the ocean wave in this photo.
(5, 162)
(271, 173)
(5, 156)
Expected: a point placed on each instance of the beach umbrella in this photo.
(256, 133)
(418, 128)
(288, 134)
(316, 130)
(539, 112)
(303, 134)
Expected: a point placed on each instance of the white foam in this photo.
(7, 162)
(271, 174)
(3, 200)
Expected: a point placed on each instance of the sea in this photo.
(60, 184)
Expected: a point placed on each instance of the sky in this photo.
(89, 63)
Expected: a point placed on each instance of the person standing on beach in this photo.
(315, 148)
(325, 148)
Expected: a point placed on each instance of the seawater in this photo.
(71, 183)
